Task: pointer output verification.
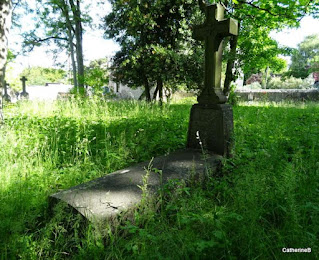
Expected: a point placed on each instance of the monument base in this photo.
(6, 97)
(212, 125)
(24, 95)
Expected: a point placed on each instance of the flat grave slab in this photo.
(116, 192)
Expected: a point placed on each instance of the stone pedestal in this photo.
(7, 98)
(214, 123)
(24, 95)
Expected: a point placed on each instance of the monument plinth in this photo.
(211, 118)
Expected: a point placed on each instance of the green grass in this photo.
(268, 197)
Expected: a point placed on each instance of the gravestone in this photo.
(106, 197)
(211, 120)
(24, 93)
(6, 96)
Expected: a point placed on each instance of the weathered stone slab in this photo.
(108, 196)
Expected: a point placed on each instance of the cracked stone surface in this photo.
(108, 196)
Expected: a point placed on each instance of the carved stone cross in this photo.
(212, 32)
(24, 93)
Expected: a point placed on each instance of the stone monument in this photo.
(6, 96)
(211, 120)
(106, 197)
(24, 93)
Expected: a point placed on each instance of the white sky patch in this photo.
(292, 37)
(94, 45)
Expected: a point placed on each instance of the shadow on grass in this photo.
(70, 152)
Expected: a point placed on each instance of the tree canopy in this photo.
(156, 44)
(41, 76)
(61, 22)
(305, 59)
(155, 41)
(97, 74)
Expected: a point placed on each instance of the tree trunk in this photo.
(160, 90)
(74, 69)
(155, 93)
(5, 24)
(266, 76)
(147, 90)
(70, 32)
(79, 43)
(230, 65)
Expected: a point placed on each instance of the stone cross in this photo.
(212, 33)
(6, 96)
(24, 92)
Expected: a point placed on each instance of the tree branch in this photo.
(39, 40)
(265, 10)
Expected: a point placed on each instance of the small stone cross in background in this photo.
(6, 96)
(24, 93)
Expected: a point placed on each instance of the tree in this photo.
(62, 25)
(5, 24)
(41, 76)
(257, 52)
(155, 36)
(253, 50)
(305, 59)
(154, 39)
(96, 74)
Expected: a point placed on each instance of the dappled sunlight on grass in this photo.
(266, 199)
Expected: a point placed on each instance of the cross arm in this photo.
(227, 27)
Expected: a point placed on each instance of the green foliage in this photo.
(156, 38)
(155, 42)
(305, 59)
(266, 199)
(40, 75)
(10, 56)
(257, 51)
(232, 98)
(290, 83)
(97, 74)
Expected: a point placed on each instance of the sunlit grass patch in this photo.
(266, 200)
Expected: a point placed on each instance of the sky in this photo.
(95, 46)
(292, 37)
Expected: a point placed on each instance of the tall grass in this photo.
(267, 198)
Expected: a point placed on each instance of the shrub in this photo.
(290, 83)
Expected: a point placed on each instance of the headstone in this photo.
(6, 96)
(24, 93)
(211, 120)
(120, 191)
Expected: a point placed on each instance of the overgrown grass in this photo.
(267, 199)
